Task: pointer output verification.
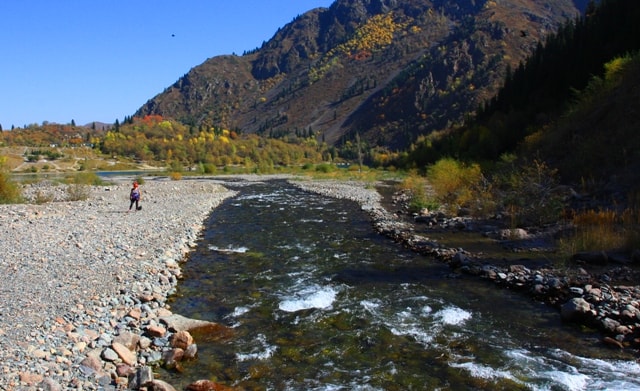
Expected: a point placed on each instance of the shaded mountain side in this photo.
(597, 142)
(389, 70)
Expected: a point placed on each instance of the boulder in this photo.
(178, 323)
(575, 309)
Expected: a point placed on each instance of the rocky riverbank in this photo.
(605, 297)
(83, 279)
(83, 305)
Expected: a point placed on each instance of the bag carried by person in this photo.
(135, 194)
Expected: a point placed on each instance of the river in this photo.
(318, 301)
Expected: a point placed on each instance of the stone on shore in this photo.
(177, 323)
(575, 309)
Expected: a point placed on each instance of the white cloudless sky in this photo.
(98, 60)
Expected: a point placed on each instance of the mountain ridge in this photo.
(386, 70)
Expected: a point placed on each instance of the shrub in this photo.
(9, 191)
(175, 166)
(175, 176)
(458, 185)
(79, 188)
(209, 168)
(86, 178)
(418, 187)
(43, 198)
(78, 192)
(530, 194)
(325, 168)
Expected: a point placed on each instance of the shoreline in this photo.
(100, 277)
(97, 271)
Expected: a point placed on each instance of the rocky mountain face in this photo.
(387, 70)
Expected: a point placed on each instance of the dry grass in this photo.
(604, 230)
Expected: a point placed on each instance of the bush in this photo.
(209, 168)
(418, 187)
(531, 194)
(43, 198)
(79, 188)
(325, 168)
(78, 192)
(9, 192)
(86, 178)
(460, 186)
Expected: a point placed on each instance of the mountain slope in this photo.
(388, 70)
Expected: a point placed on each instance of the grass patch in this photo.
(604, 230)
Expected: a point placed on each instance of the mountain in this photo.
(386, 70)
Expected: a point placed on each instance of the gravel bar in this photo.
(70, 269)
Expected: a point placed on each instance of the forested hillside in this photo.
(557, 87)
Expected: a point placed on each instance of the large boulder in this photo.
(575, 309)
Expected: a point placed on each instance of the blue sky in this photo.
(86, 60)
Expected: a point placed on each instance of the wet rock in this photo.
(177, 323)
(142, 377)
(160, 385)
(181, 339)
(612, 342)
(610, 325)
(191, 351)
(575, 309)
(172, 357)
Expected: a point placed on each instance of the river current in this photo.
(317, 300)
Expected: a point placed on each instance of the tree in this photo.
(73, 123)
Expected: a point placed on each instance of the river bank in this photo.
(79, 273)
(87, 277)
(597, 290)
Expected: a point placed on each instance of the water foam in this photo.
(315, 296)
(452, 316)
(229, 249)
(261, 351)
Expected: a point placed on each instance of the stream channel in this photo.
(317, 300)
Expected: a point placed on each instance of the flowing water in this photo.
(318, 301)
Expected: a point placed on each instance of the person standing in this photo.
(135, 196)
